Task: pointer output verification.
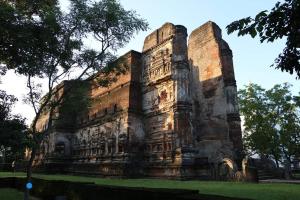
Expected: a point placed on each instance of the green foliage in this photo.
(13, 137)
(6, 103)
(282, 21)
(38, 40)
(272, 121)
(28, 36)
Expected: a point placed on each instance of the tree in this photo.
(272, 122)
(282, 21)
(39, 41)
(13, 137)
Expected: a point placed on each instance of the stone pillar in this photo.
(232, 110)
(106, 147)
(182, 107)
(117, 144)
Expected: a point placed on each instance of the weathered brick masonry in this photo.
(174, 114)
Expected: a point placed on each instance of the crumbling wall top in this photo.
(206, 32)
(161, 34)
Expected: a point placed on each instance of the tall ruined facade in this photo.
(174, 114)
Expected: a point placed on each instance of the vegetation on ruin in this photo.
(261, 191)
(75, 102)
(283, 21)
(272, 122)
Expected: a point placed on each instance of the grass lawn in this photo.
(266, 191)
(10, 194)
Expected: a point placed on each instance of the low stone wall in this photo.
(165, 171)
(49, 190)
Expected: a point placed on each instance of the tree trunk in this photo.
(277, 163)
(36, 145)
(287, 169)
(29, 172)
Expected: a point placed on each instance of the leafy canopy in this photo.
(272, 121)
(282, 21)
(39, 40)
(13, 137)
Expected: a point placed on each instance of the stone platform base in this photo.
(167, 171)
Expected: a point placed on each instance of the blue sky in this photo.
(251, 58)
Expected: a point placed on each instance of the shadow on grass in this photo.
(272, 191)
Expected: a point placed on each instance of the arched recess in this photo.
(62, 145)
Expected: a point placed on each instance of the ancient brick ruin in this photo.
(174, 114)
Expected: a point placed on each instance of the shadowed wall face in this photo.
(215, 106)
